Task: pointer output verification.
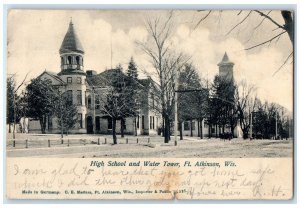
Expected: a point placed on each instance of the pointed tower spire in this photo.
(71, 42)
(225, 60)
(226, 68)
(71, 53)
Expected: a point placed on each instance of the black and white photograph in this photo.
(142, 104)
(150, 83)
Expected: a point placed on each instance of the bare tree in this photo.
(166, 63)
(245, 105)
(118, 98)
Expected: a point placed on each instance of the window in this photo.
(153, 123)
(69, 60)
(80, 120)
(79, 97)
(89, 102)
(152, 100)
(77, 60)
(150, 122)
(193, 125)
(69, 79)
(109, 123)
(212, 130)
(62, 60)
(138, 122)
(97, 123)
(78, 80)
(186, 126)
(69, 97)
(97, 102)
(124, 124)
(143, 122)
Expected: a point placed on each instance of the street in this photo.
(87, 146)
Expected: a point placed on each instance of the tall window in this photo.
(69, 97)
(69, 60)
(77, 60)
(89, 102)
(79, 97)
(152, 100)
(97, 102)
(151, 122)
(80, 120)
(124, 124)
(143, 122)
(109, 123)
(138, 122)
(78, 80)
(69, 79)
(193, 125)
(186, 126)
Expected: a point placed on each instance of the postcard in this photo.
(150, 104)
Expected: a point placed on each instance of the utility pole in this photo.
(276, 128)
(176, 102)
(251, 126)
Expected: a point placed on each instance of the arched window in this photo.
(69, 60)
(81, 61)
(77, 60)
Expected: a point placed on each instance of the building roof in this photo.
(53, 75)
(225, 60)
(102, 79)
(71, 42)
(71, 71)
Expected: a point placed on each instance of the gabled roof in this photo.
(71, 42)
(53, 75)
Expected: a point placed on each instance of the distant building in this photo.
(193, 128)
(85, 87)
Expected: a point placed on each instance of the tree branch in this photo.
(202, 19)
(269, 18)
(267, 41)
(239, 23)
(286, 60)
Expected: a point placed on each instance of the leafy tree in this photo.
(41, 98)
(223, 104)
(66, 113)
(10, 103)
(192, 98)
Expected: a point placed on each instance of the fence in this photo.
(41, 143)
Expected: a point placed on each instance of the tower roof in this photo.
(71, 41)
(225, 60)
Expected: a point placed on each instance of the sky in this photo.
(34, 38)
